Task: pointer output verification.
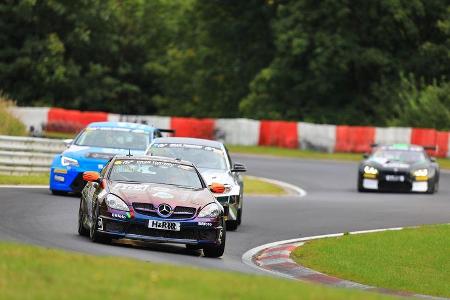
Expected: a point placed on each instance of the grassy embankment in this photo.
(306, 154)
(30, 272)
(10, 125)
(415, 260)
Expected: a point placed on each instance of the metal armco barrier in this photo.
(27, 155)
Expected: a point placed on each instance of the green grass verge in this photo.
(58, 135)
(38, 179)
(30, 272)
(254, 186)
(415, 260)
(307, 154)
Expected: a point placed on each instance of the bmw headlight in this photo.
(370, 170)
(211, 210)
(115, 202)
(67, 161)
(421, 172)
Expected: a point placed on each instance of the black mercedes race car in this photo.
(155, 199)
(398, 167)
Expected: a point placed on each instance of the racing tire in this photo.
(361, 189)
(81, 229)
(58, 193)
(94, 235)
(232, 225)
(239, 216)
(433, 187)
(216, 250)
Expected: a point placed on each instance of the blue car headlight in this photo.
(67, 161)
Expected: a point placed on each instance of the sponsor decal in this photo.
(163, 195)
(204, 224)
(160, 189)
(60, 171)
(131, 187)
(59, 178)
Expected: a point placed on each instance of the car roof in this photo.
(155, 158)
(189, 141)
(405, 147)
(124, 125)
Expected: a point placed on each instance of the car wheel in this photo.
(361, 189)
(432, 188)
(96, 236)
(232, 225)
(216, 250)
(81, 229)
(58, 193)
(239, 216)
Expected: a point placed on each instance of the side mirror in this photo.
(238, 168)
(217, 188)
(433, 159)
(91, 176)
(68, 142)
(366, 155)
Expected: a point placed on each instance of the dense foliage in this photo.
(384, 62)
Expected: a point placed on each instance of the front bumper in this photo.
(69, 178)
(197, 231)
(408, 184)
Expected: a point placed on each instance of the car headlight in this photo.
(421, 172)
(211, 210)
(115, 202)
(370, 170)
(67, 161)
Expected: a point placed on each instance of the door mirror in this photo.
(68, 142)
(433, 159)
(91, 176)
(217, 188)
(366, 155)
(238, 168)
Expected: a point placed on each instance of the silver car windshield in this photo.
(113, 138)
(202, 156)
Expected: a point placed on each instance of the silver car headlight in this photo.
(67, 161)
(211, 210)
(115, 202)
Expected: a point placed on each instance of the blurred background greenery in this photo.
(384, 62)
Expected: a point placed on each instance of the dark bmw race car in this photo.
(152, 199)
(399, 167)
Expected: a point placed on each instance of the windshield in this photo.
(202, 156)
(114, 138)
(150, 171)
(400, 155)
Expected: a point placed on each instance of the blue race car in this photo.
(93, 148)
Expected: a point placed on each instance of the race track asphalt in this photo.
(331, 205)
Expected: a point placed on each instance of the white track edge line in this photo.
(298, 190)
(18, 186)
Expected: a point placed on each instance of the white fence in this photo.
(27, 155)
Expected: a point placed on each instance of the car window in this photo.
(151, 171)
(113, 138)
(202, 156)
(400, 155)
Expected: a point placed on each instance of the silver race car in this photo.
(215, 165)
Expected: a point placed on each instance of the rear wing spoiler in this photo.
(170, 131)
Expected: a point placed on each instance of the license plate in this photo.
(395, 178)
(164, 225)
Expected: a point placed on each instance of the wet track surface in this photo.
(331, 205)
